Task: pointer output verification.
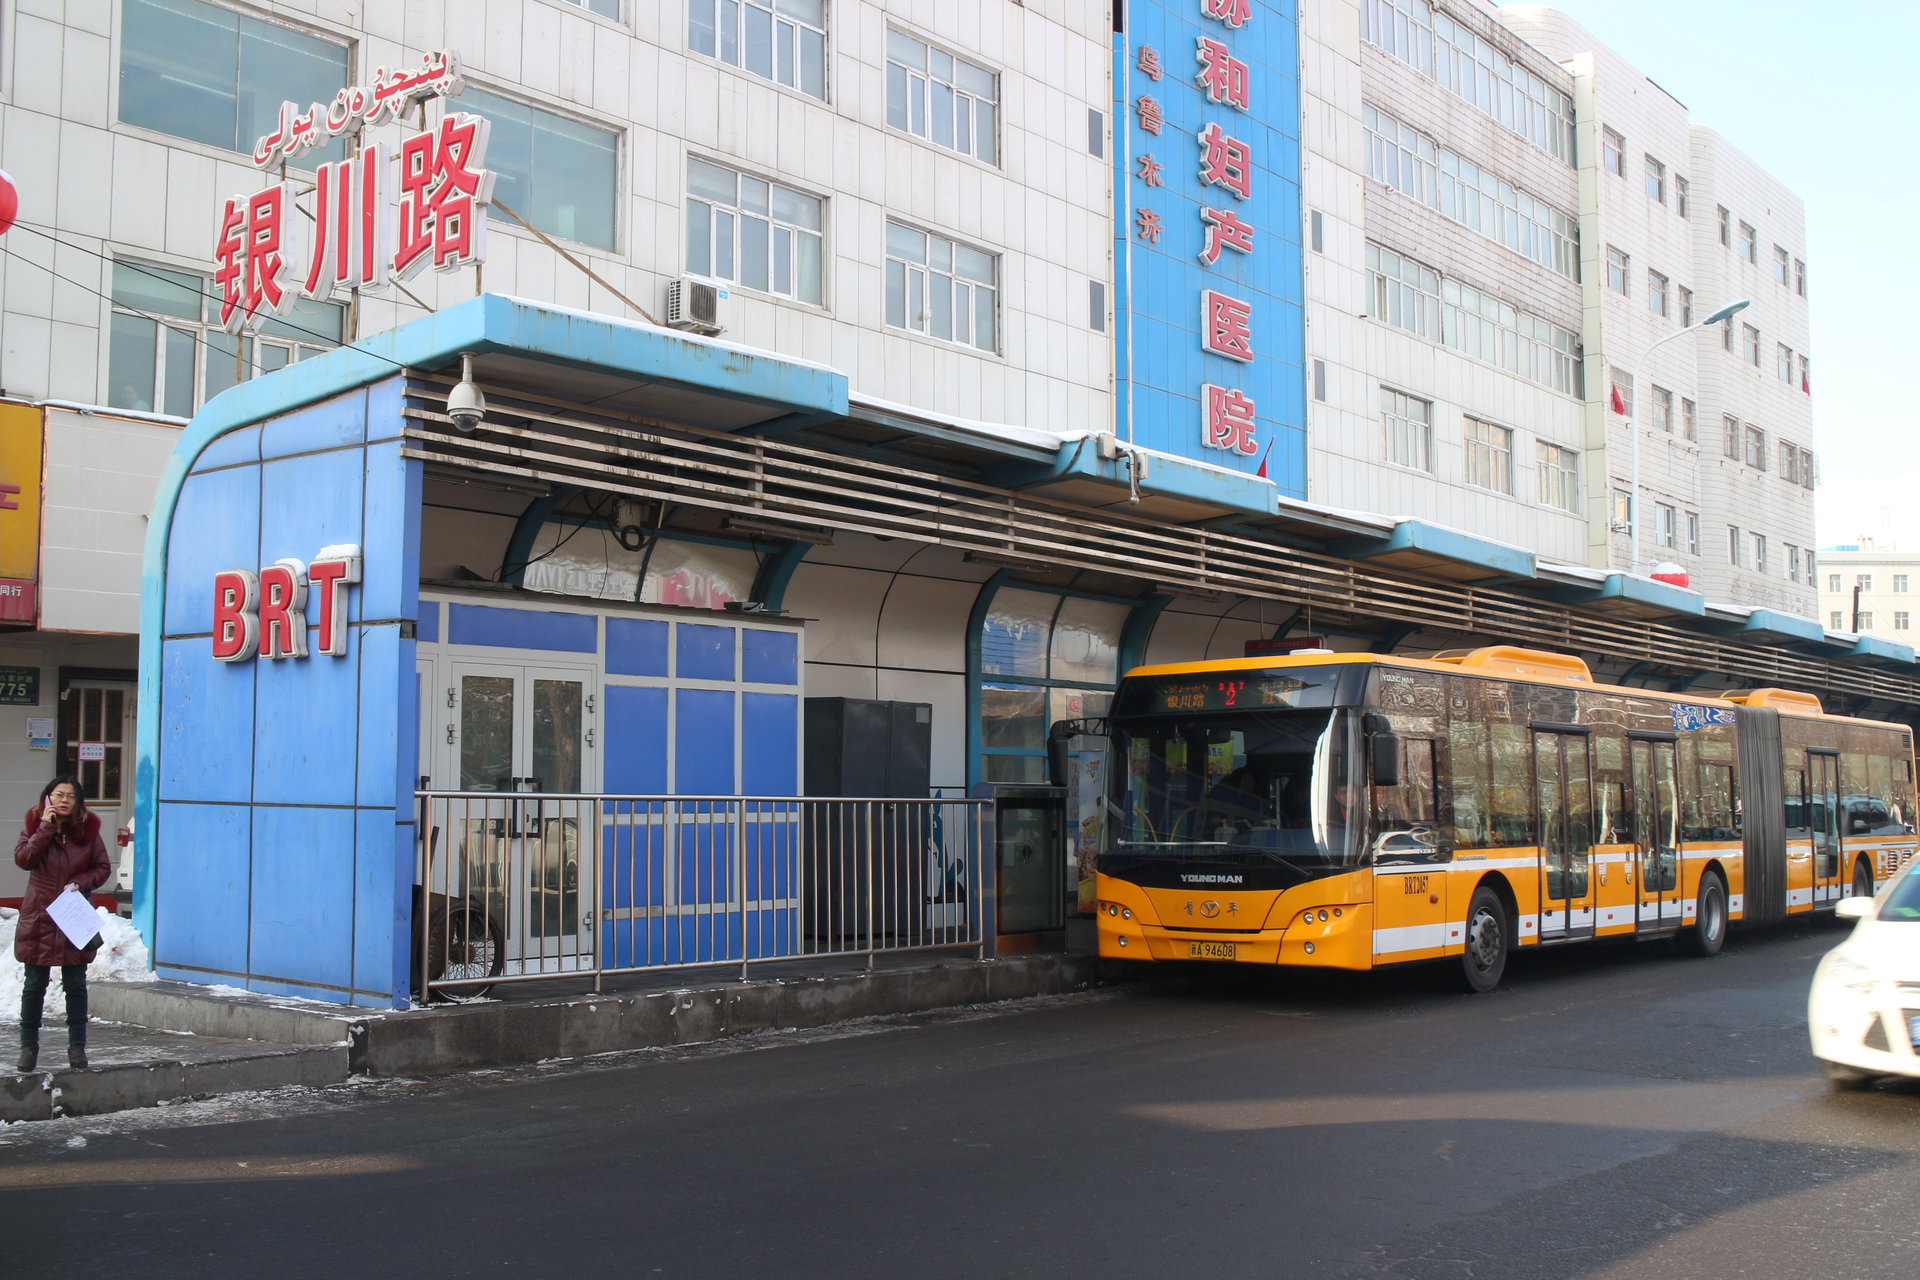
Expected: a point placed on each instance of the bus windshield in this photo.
(1266, 792)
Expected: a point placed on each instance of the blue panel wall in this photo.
(703, 652)
(301, 881)
(769, 744)
(522, 628)
(703, 742)
(1161, 233)
(204, 897)
(770, 657)
(635, 760)
(636, 647)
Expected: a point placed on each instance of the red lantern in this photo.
(9, 201)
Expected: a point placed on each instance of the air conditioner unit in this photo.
(696, 306)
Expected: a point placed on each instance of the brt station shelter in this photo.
(685, 654)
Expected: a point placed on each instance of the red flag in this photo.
(1619, 405)
(1803, 384)
(1262, 472)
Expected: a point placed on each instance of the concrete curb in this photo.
(183, 1007)
(515, 1033)
(42, 1095)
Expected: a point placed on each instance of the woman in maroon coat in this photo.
(59, 846)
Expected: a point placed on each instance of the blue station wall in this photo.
(282, 839)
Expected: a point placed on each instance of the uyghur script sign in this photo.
(434, 185)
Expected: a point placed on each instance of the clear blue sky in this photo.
(1822, 97)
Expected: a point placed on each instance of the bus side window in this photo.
(1798, 820)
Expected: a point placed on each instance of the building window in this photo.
(1663, 409)
(1613, 155)
(1783, 361)
(946, 100)
(1793, 563)
(1749, 244)
(166, 351)
(757, 234)
(1618, 264)
(1807, 478)
(1726, 336)
(1789, 463)
(1750, 344)
(1863, 621)
(1557, 475)
(1404, 293)
(1756, 448)
(941, 288)
(210, 75)
(1733, 544)
(1489, 456)
(1730, 437)
(1656, 293)
(1693, 533)
(1833, 582)
(1622, 382)
(1726, 225)
(1863, 581)
(1682, 195)
(1469, 67)
(1900, 584)
(1666, 531)
(1097, 306)
(1686, 307)
(780, 40)
(1656, 181)
(1834, 622)
(559, 174)
(1760, 553)
(1689, 412)
(1806, 380)
(1901, 621)
(1407, 422)
(605, 8)
(1401, 157)
(1800, 277)
(1622, 512)
(1781, 269)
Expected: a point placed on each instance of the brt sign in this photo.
(266, 612)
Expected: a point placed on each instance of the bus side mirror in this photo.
(1386, 760)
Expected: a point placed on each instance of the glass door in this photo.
(521, 740)
(1563, 796)
(1823, 770)
(1656, 833)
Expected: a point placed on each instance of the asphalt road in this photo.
(1619, 1113)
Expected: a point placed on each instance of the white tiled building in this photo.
(1870, 590)
(1452, 151)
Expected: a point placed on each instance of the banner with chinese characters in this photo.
(1211, 328)
(376, 217)
(21, 437)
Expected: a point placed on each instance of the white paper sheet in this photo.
(75, 916)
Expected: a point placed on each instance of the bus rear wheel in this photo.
(1709, 932)
(1862, 880)
(1488, 940)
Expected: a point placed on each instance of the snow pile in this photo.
(122, 958)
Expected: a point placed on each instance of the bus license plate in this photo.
(1211, 950)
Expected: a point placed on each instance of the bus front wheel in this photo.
(1488, 940)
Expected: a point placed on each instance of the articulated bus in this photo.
(1356, 811)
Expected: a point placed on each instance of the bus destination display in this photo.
(1244, 693)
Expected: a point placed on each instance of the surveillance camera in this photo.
(466, 406)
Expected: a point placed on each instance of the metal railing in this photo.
(525, 886)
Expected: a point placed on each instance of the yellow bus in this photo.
(1357, 811)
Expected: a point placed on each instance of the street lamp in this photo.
(1633, 499)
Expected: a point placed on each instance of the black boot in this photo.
(29, 1057)
(77, 1056)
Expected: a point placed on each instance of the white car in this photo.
(1864, 1009)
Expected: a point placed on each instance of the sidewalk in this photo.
(155, 1042)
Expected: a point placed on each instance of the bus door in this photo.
(1563, 801)
(1656, 831)
(1823, 785)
